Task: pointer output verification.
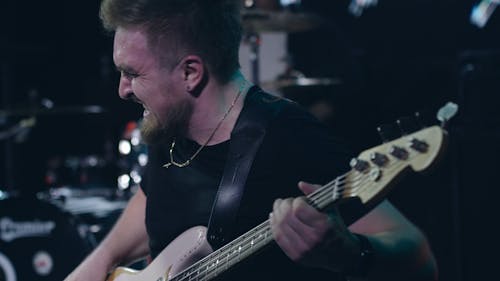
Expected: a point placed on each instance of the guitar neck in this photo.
(249, 243)
(229, 255)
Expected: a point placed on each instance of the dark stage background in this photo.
(397, 58)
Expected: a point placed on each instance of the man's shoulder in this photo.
(281, 106)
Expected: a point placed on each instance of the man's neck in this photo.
(217, 109)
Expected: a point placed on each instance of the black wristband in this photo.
(365, 259)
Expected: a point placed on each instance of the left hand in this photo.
(311, 237)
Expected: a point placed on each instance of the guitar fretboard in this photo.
(250, 242)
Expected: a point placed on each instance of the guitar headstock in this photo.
(375, 170)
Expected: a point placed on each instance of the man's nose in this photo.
(125, 88)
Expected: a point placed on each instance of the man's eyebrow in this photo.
(124, 69)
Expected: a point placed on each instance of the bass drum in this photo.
(38, 241)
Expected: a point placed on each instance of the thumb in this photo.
(308, 188)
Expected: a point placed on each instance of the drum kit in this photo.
(43, 236)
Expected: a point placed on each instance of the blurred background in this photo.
(70, 155)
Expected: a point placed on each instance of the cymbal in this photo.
(300, 82)
(256, 20)
(89, 109)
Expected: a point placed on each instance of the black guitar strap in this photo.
(246, 137)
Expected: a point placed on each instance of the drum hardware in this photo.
(98, 201)
(260, 16)
(315, 94)
(294, 80)
(253, 39)
(19, 130)
(273, 15)
(257, 21)
(299, 82)
(87, 171)
(97, 208)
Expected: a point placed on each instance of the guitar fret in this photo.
(229, 255)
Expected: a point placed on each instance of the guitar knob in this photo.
(398, 152)
(359, 165)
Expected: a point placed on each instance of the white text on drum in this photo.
(10, 230)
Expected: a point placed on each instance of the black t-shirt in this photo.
(295, 147)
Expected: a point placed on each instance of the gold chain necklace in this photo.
(187, 162)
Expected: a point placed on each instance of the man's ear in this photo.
(194, 74)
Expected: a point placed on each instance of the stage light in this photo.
(482, 12)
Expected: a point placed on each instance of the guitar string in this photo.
(359, 186)
(215, 268)
(356, 180)
(228, 248)
(323, 194)
(212, 264)
(223, 260)
(207, 263)
(357, 183)
(211, 272)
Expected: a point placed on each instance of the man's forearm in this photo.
(398, 256)
(128, 240)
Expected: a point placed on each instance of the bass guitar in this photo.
(373, 173)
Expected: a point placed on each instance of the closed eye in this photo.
(127, 73)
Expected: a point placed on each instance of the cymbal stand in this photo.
(253, 39)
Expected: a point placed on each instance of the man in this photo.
(179, 59)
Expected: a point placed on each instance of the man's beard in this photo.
(176, 124)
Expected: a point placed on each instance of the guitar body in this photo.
(185, 250)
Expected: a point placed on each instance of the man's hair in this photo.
(208, 28)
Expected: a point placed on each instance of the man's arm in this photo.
(126, 242)
(400, 250)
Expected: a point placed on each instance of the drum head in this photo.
(38, 241)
